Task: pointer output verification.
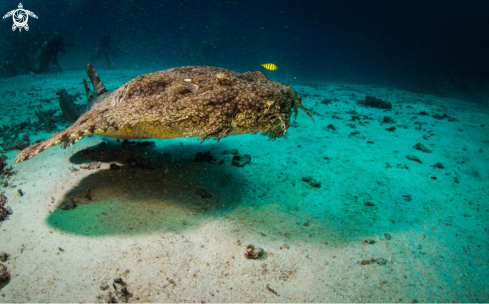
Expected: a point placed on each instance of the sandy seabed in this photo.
(152, 227)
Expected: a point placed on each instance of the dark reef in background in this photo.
(437, 47)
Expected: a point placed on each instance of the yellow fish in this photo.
(270, 66)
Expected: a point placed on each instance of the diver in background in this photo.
(50, 50)
(105, 48)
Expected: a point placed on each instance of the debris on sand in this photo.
(3, 256)
(379, 261)
(314, 183)
(253, 254)
(68, 205)
(272, 290)
(331, 127)
(121, 290)
(4, 211)
(241, 161)
(4, 274)
(91, 166)
(3, 163)
(374, 102)
(19, 144)
(419, 146)
(439, 166)
(414, 158)
(104, 286)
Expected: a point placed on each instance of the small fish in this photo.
(270, 66)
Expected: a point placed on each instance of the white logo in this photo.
(20, 17)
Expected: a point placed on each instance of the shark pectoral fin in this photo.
(87, 124)
(35, 149)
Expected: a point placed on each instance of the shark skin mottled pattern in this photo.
(187, 101)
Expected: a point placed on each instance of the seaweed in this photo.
(19, 144)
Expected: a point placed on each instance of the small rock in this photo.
(4, 274)
(252, 253)
(114, 166)
(121, 290)
(91, 166)
(419, 146)
(315, 184)
(413, 158)
(104, 286)
(391, 129)
(379, 261)
(438, 116)
(332, 127)
(439, 166)
(4, 212)
(68, 205)
(371, 101)
(366, 262)
(306, 179)
(3, 257)
(387, 236)
(241, 161)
